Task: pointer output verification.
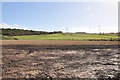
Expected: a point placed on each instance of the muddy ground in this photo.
(57, 62)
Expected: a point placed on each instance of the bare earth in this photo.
(57, 42)
(60, 59)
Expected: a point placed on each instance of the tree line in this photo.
(20, 32)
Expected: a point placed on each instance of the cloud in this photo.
(70, 29)
(25, 28)
(93, 29)
(4, 25)
(88, 8)
(15, 26)
(78, 29)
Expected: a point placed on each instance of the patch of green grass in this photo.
(67, 36)
(8, 38)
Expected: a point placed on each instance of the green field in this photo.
(8, 38)
(68, 36)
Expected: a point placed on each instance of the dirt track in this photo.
(60, 61)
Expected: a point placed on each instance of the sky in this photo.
(92, 17)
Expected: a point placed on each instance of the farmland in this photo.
(57, 42)
(60, 55)
(60, 59)
(57, 55)
(60, 40)
(8, 38)
(68, 36)
(20, 34)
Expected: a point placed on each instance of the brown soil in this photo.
(56, 42)
(59, 61)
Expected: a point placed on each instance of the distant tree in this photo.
(20, 32)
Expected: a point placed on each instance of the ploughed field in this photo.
(60, 61)
(57, 42)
